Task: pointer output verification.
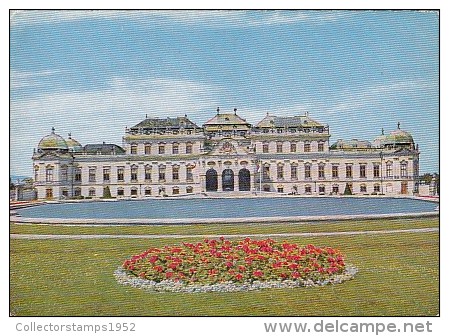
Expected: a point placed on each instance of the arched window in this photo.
(148, 172)
(189, 189)
(294, 171)
(161, 173)
(133, 191)
(308, 189)
(321, 171)
(189, 148)
(147, 191)
(363, 188)
(120, 192)
(175, 148)
(175, 191)
(280, 171)
(321, 189)
(91, 192)
(307, 169)
(77, 192)
(134, 170)
(175, 173)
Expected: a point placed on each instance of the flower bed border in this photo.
(124, 278)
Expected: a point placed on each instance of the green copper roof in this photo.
(52, 141)
(73, 144)
(398, 136)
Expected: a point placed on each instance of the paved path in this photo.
(156, 236)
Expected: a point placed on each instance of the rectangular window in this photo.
(377, 188)
(404, 169)
(92, 174)
(49, 193)
(335, 189)
(78, 175)
(134, 173)
(120, 174)
(363, 188)
(321, 189)
(64, 174)
(376, 170)
(175, 148)
(321, 172)
(293, 147)
(362, 171)
(189, 174)
(161, 174)
(389, 169)
(161, 149)
(49, 175)
(280, 172)
(147, 192)
(308, 189)
(294, 172)
(175, 173)
(106, 174)
(175, 191)
(307, 171)
(320, 147)
(334, 171)
(348, 171)
(147, 173)
(133, 149)
(265, 148)
(306, 147)
(120, 192)
(280, 189)
(147, 149)
(189, 148)
(279, 147)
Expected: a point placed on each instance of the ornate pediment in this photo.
(229, 147)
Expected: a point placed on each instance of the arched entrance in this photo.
(244, 180)
(211, 180)
(227, 178)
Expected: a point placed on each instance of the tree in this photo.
(347, 190)
(107, 192)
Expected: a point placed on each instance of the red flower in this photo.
(295, 275)
(153, 259)
(258, 273)
(238, 276)
(168, 275)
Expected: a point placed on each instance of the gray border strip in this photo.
(255, 220)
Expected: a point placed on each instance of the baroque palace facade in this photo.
(174, 156)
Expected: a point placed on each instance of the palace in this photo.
(174, 157)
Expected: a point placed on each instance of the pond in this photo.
(232, 208)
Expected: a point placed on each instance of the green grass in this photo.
(218, 229)
(398, 276)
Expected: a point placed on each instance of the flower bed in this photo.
(224, 265)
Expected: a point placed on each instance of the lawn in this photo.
(398, 276)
